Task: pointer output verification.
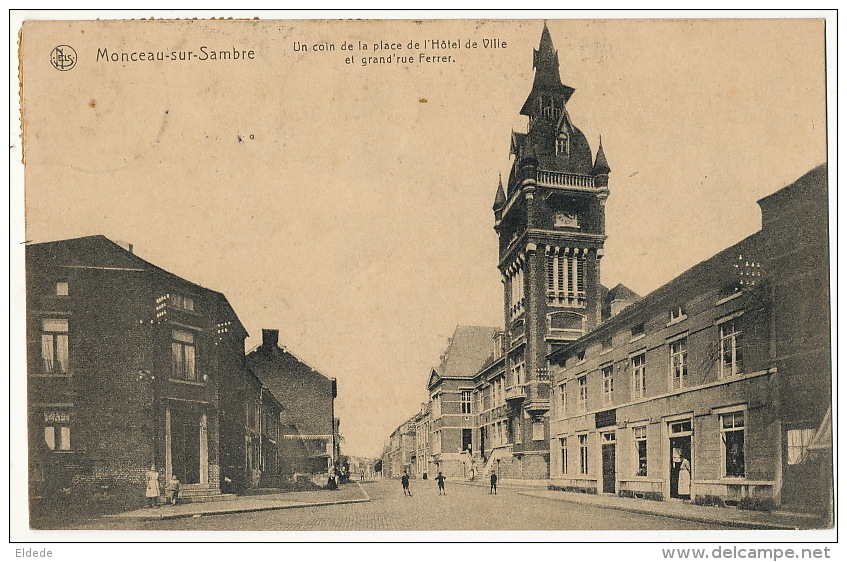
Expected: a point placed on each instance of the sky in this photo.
(349, 206)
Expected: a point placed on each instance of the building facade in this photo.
(712, 387)
(550, 221)
(451, 392)
(128, 366)
(309, 440)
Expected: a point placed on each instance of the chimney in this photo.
(270, 338)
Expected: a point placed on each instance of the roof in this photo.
(709, 272)
(467, 351)
(546, 63)
(500, 196)
(601, 166)
(99, 252)
(621, 292)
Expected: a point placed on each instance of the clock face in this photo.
(567, 219)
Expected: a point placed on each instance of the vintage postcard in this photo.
(566, 275)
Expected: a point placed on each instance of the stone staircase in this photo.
(496, 454)
(196, 493)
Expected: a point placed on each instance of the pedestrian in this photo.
(493, 480)
(152, 491)
(440, 479)
(173, 489)
(405, 481)
(684, 485)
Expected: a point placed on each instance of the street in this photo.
(463, 508)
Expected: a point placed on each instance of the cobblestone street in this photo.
(463, 508)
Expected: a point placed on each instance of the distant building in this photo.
(309, 440)
(398, 452)
(714, 386)
(128, 365)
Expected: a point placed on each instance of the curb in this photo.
(165, 517)
(642, 511)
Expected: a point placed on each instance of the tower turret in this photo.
(601, 168)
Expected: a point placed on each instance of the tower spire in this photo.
(601, 166)
(500, 197)
(547, 82)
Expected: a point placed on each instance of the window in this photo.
(563, 399)
(181, 301)
(640, 434)
(639, 376)
(679, 370)
(62, 288)
(583, 394)
(580, 356)
(608, 385)
(436, 406)
(518, 367)
(677, 314)
(538, 431)
(54, 345)
(566, 270)
(732, 443)
(516, 288)
(563, 444)
(606, 344)
(57, 431)
(637, 331)
(583, 454)
(798, 441)
(466, 401)
(562, 144)
(183, 356)
(498, 345)
(731, 355)
(58, 437)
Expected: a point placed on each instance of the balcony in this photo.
(538, 397)
(562, 179)
(516, 392)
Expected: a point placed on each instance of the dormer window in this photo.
(677, 313)
(562, 145)
(549, 108)
(181, 301)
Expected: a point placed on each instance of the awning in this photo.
(822, 441)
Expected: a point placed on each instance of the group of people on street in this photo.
(152, 491)
(404, 480)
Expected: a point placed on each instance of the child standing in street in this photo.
(440, 479)
(493, 489)
(152, 490)
(405, 481)
(173, 489)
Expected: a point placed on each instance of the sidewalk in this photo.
(348, 493)
(729, 516)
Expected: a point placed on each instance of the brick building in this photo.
(451, 387)
(309, 440)
(713, 386)
(128, 365)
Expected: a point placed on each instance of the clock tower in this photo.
(551, 227)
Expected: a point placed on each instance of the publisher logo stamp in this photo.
(63, 57)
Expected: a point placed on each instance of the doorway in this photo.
(680, 459)
(186, 435)
(609, 477)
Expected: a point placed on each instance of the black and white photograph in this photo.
(447, 277)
